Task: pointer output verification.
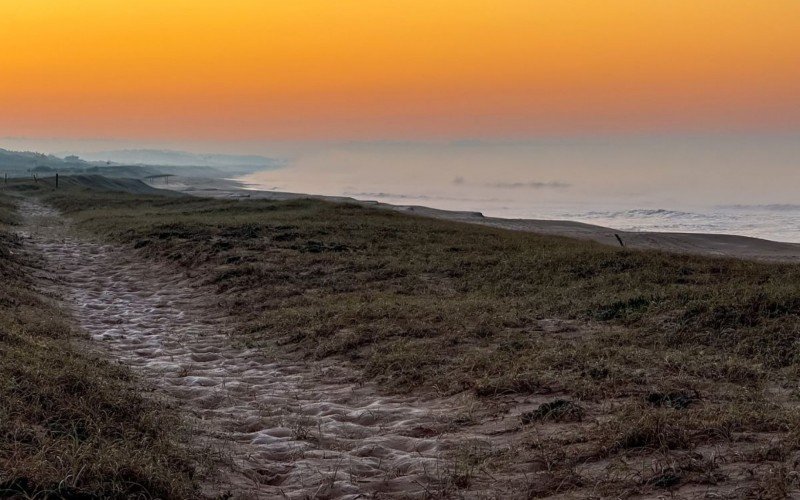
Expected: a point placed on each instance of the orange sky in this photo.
(395, 69)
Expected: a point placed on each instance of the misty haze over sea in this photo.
(744, 185)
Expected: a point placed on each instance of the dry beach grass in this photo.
(626, 372)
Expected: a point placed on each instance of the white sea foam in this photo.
(780, 224)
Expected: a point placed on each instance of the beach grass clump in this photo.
(73, 425)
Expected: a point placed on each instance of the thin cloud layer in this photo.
(530, 185)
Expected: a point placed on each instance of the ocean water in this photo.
(779, 223)
(772, 222)
(745, 185)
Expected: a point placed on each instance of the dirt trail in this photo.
(292, 429)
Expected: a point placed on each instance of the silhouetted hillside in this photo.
(24, 161)
(17, 164)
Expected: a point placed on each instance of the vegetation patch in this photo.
(677, 400)
(559, 410)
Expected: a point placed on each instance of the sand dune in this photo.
(287, 427)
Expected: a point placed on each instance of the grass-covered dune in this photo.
(415, 299)
(71, 424)
(656, 352)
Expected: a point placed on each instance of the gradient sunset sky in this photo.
(401, 69)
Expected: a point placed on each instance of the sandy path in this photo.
(291, 429)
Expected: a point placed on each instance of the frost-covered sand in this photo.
(720, 245)
(289, 428)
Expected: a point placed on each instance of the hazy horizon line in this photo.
(55, 144)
